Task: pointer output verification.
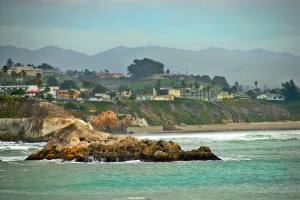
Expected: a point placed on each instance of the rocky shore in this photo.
(289, 125)
(79, 142)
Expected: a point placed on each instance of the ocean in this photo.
(255, 165)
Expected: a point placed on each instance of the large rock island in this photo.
(81, 143)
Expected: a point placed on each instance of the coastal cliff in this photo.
(33, 120)
(195, 112)
(80, 143)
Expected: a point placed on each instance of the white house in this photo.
(100, 97)
(271, 97)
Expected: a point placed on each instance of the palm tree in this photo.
(255, 83)
(204, 92)
(14, 75)
(38, 76)
(183, 84)
(5, 69)
(234, 89)
(39, 82)
(24, 74)
(213, 83)
(208, 87)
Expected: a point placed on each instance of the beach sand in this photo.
(289, 125)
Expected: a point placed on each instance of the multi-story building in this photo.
(200, 94)
(30, 71)
(65, 94)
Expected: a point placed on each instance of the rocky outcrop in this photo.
(110, 122)
(170, 126)
(136, 121)
(80, 143)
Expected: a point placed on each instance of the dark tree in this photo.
(289, 90)
(52, 81)
(204, 78)
(87, 84)
(157, 86)
(10, 63)
(144, 68)
(44, 66)
(251, 94)
(183, 84)
(197, 85)
(99, 89)
(226, 89)
(84, 95)
(19, 64)
(168, 71)
(233, 89)
(18, 92)
(68, 84)
(221, 81)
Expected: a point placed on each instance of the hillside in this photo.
(199, 112)
(236, 65)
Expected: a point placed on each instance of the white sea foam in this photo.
(20, 145)
(137, 197)
(238, 135)
(12, 158)
(133, 161)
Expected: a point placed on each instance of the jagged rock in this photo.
(138, 122)
(78, 142)
(169, 126)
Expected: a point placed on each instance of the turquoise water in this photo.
(256, 165)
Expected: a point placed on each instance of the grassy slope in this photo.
(200, 112)
(180, 111)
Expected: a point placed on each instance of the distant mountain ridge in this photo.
(260, 65)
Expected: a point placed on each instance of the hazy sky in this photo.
(92, 26)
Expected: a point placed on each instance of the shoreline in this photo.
(289, 125)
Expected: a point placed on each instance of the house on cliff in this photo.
(271, 97)
(67, 94)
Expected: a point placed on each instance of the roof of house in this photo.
(272, 95)
(31, 91)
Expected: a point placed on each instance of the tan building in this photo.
(30, 71)
(225, 95)
(175, 93)
(164, 98)
(126, 94)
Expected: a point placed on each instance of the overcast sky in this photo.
(93, 26)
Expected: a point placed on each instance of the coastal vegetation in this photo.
(190, 112)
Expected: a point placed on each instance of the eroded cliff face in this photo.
(136, 121)
(199, 112)
(110, 122)
(34, 119)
